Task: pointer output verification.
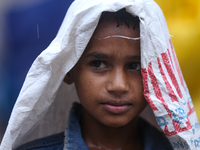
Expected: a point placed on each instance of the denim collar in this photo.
(73, 136)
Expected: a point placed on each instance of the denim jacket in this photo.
(72, 138)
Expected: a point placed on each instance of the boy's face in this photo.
(107, 77)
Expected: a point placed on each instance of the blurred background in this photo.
(27, 28)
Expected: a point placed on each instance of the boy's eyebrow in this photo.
(98, 55)
(135, 57)
(102, 55)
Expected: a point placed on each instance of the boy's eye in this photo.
(135, 66)
(97, 64)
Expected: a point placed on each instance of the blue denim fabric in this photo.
(153, 139)
(54, 142)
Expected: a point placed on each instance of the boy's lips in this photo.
(116, 107)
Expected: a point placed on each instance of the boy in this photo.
(108, 81)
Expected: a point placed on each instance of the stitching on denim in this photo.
(74, 134)
(65, 145)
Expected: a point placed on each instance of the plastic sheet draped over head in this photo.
(40, 109)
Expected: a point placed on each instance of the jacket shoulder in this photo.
(53, 142)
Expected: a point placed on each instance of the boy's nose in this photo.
(118, 83)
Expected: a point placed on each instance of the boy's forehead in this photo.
(109, 29)
(114, 41)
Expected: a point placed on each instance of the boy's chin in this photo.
(119, 123)
(116, 125)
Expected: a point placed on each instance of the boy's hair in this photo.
(121, 16)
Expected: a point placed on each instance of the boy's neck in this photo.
(100, 137)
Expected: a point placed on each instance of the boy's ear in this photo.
(68, 78)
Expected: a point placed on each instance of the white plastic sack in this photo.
(40, 109)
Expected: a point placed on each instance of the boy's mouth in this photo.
(116, 107)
